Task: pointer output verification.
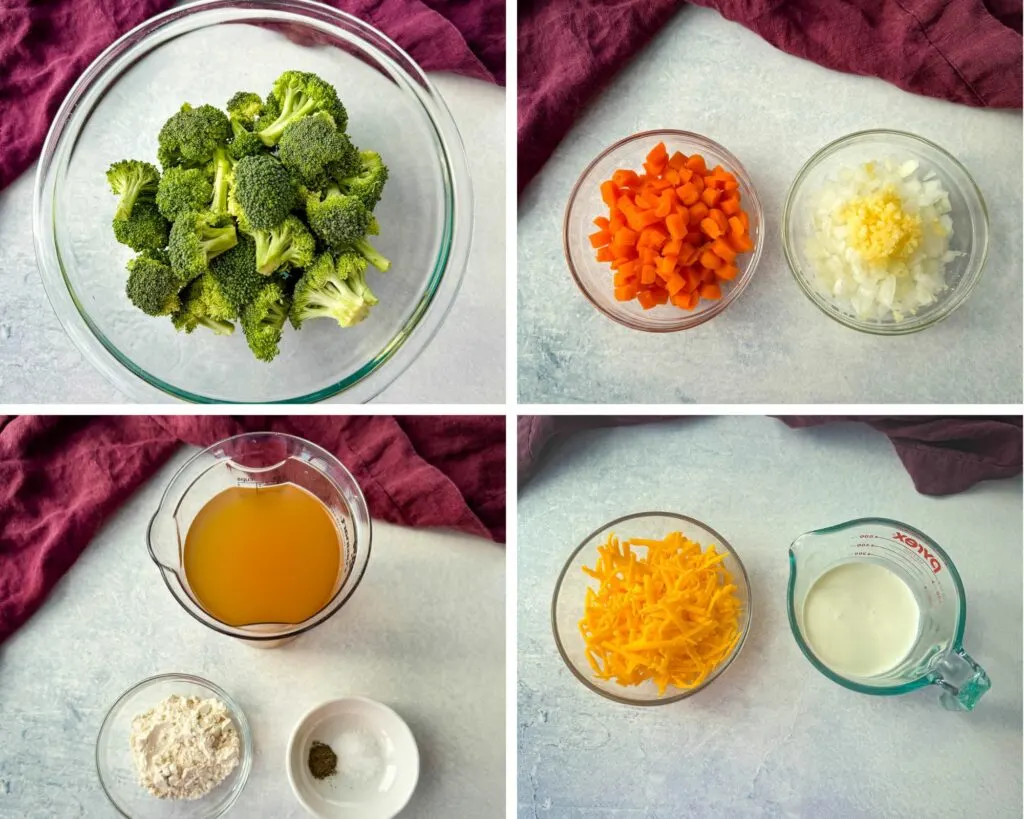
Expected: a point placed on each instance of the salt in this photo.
(359, 755)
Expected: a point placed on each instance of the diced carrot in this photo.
(698, 182)
(617, 222)
(688, 193)
(645, 201)
(622, 278)
(648, 274)
(729, 205)
(667, 265)
(711, 228)
(675, 225)
(674, 284)
(688, 253)
(676, 161)
(745, 219)
(681, 299)
(626, 293)
(665, 204)
(631, 268)
(625, 237)
(736, 226)
(652, 237)
(658, 154)
(672, 176)
(698, 213)
(660, 295)
(605, 254)
(696, 164)
(710, 260)
(732, 185)
(685, 175)
(710, 196)
(625, 178)
(646, 299)
(721, 218)
(609, 192)
(707, 275)
(599, 238)
(602, 222)
(672, 247)
(711, 291)
(648, 255)
(695, 238)
(728, 272)
(723, 250)
(742, 243)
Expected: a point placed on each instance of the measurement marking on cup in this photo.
(908, 541)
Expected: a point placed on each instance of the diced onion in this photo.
(880, 239)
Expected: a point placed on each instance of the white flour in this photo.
(184, 747)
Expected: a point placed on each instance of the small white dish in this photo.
(378, 761)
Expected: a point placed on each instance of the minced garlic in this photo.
(879, 228)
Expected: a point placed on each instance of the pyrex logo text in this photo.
(913, 544)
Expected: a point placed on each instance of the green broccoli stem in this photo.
(128, 198)
(289, 114)
(218, 240)
(335, 299)
(219, 326)
(271, 248)
(220, 182)
(372, 255)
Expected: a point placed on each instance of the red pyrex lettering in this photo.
(913, 544)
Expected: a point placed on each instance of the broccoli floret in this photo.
(263, 321)
(351, 266)
(203, 305)
(192, 135)
(264, 193)
(337, 218)
(196, 238)
(133, 181)
(290, 244)
(235, 272)
(371, 254)
(244, 108)
(300, 94)
(313, 148)
(244, 143)
(323, 292)
(367, 183)
(223, 179)
(152, 285)
(145, 229)
(182, 190)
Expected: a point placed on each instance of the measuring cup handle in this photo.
(962, 680)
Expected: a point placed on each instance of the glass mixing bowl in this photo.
(594, 278)
(253, 460)
(203, 53)
(118, 775)
(970, 223)
(570, 593)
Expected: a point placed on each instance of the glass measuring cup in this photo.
(260, 459)
(937, 656)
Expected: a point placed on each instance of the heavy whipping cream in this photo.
(860, 619)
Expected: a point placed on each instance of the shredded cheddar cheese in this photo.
(663, 610)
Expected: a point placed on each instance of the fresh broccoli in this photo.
(367, 183)
(351, 266)
(290, 244)
(371, 254)
(337, 218)
(145, 229)
(263, 321)
(192, 135)
(324, 292)
(196, 238)
(203, 305)
(133, 181)
(244, 143)
(182, 190)
(313, 148)
(223, 179)
(152, 285)
(244, 108)
(235, 272)
(263, 193)
(299, 94)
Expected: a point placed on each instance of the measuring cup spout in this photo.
(162, 541)
(962, 680)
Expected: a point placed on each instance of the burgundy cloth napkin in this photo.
(966, 51)
(45, 45)
(943, 455)
(62, 477)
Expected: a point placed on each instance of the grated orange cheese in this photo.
(670, 614)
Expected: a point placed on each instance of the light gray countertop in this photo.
(772, 737)
(773, 111)
(424, 633)
(39, 364)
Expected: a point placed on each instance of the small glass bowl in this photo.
(594, 278)
(969, 215)
(188, 53)
(572, 585)
(118, 774)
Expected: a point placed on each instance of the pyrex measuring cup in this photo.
(937, 656)
(260, 459)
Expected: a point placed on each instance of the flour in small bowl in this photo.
(184, 747)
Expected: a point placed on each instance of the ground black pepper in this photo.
(323, 762)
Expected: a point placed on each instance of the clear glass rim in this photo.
(625, 700)
(884, 691)
(686, 321)
(964, 287)
(448, 268)
(237, 715)
(331, 607)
